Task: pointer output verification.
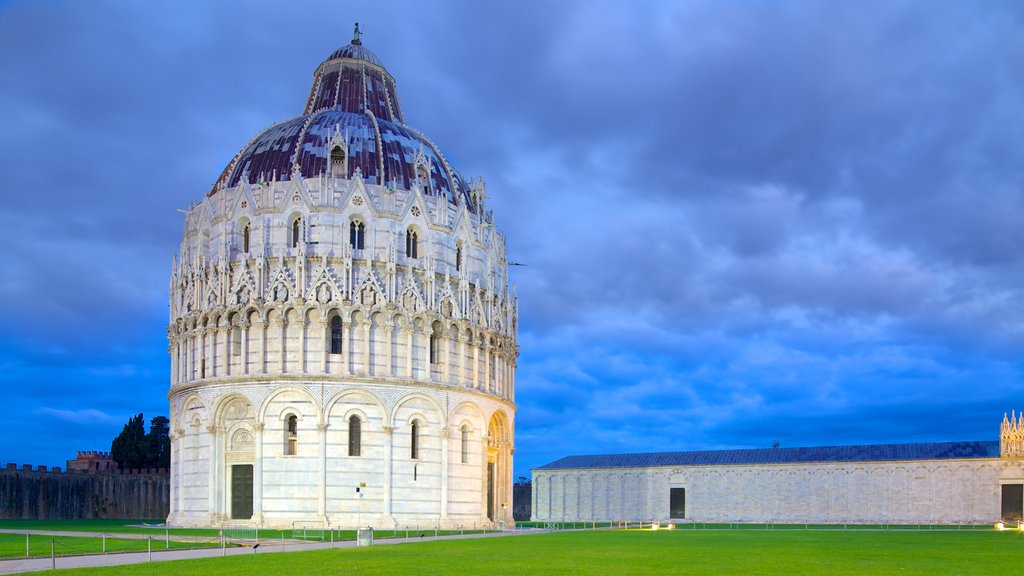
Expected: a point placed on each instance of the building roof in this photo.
(352, 104)
(866, 453)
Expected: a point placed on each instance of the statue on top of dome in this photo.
(355, 36)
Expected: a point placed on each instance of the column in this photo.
(325, 347)
(261, 352)
(304, 324)
(388, 451)
(462, 360)
(487, 367)
(180, 449)
(476, 365)
(172, 351)
(257, 474)
(322, 499)
(409, 333)
(346, 346)
(245, 347)
(446, 356)
(446, 433)
(282, 322)
(425, 357)
(214, 464)
(229, 333)
(388, 333)
(204, 350)
(175, 471)
(367, 366)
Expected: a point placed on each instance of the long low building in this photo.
(933, 483)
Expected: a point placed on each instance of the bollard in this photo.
(104, 542)
(53, 556)
(149, 548)
(167, 537)
(27, 553)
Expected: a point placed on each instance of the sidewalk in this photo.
(17, 565)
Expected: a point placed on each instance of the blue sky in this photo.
(742, 221)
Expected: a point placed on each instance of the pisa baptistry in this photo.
(342, 329)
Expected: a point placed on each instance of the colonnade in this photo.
(467, 358)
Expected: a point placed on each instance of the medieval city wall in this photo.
(50, 494)
(900, 492)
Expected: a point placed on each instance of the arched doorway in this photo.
(498, 472)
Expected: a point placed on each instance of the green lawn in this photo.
(13, 545)
(121, 526)
(600, 553)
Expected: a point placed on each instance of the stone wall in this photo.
(41, 494)
(901, 492)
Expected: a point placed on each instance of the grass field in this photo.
(14, 545)
(634, 552)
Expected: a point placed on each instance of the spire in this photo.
(355, 36)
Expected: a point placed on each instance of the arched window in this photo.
(337, 162)
(245, 239)
(465, 444)
(296, 231)
(435, 347)
(411, 244)
(458, 256)
(355, 436)
(414, 440)
(355, 234)
(336, 335)
(291, 435)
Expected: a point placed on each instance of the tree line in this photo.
(135, 448)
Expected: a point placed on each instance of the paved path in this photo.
(17, 565)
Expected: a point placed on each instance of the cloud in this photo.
(88, 415)
(742, 222)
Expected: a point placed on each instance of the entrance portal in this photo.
(677, 503)
(241, 491)
(1013, 503)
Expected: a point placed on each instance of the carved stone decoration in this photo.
(357, 200)
(242, 440)
(280, 293)
(242, 296)
(323, 294)
(415, 210)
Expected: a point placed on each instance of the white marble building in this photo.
(342, 331)
(937, 483)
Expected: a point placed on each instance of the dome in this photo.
(355, 51)
(353, 105)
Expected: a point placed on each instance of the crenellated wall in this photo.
(42, 494)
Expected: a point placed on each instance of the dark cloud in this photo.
(742, 222)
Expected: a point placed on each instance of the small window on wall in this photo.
(465, 444)
(434, 348)
(355, 436)
(411, 244)
(458, 257)
(414, 440)
(337, 162)
(291, 435)
(356, 234)
(296, 232)
(677, 503)
(336, 335)
(245, 239)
